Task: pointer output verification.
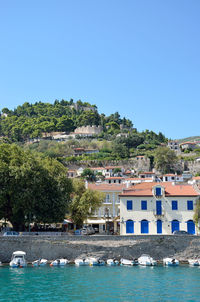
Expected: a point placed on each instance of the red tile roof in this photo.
(145, 189)
(114, 177)
(107, 187)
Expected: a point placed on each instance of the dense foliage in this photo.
(31, 188)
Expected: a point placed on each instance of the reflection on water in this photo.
(72, 283)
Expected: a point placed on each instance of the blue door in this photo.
(190, 227)
(159, 226)
(158, 207)
(144, 227)
(129, 227)
(175, 225)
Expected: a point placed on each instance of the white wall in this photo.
(136, 214)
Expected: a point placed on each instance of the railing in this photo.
(155, 213)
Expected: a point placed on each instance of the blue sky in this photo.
(140, 58)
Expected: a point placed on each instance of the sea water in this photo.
(119, 283)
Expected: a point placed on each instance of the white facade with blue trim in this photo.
(157, 208)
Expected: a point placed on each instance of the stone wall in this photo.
(70, 247)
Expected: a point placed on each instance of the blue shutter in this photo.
(174, 205)
(159, 226)
(190, 227)
(129, 227)
(175, 225)
(158, 191)
(144, 205)
(190, 204)
(158, 207)
(144, 227)
(129, 205)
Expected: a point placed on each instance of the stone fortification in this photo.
(88, 130)
(70, 247)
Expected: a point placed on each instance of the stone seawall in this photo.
(70, 247)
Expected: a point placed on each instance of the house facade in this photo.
(107, 217)
(157, 208)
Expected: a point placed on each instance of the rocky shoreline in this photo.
(71, 247)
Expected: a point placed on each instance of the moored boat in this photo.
(39, 262)
(112, 262)
(81, 262)
(95, 261)
(170, 262)
(59, 262)
(146, 260)
(128, 262)
(194, 262)
(18, 259)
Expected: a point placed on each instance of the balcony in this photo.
(158, 213)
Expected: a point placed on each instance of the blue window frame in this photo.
(158, 192)
(144, 205)
(129, 205)
(129, 227)
(174, 205)
(158, 207)
(159, 226)
(144, 227)
(190, 204)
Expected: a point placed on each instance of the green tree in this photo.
(196, 216)
(165, 159)
(84, 202)
(88, 174)
(31, 187)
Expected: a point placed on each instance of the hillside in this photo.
(189, 139)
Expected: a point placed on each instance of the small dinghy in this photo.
(59, 262)
(146, 260)
(112, 262)
(39, 262)
(128, 262)
(81, 262)
(18, 259)
(194, 262)
(170, 262)
(95, 261)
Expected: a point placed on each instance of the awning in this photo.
(93, 221)
(66, 221)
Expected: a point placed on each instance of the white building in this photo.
(157, 208)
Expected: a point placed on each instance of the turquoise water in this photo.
(72, 283)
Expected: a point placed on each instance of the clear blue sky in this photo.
(140, 58)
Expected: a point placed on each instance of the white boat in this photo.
(112, 262)
(95, 261)
(18, 259)
(128, 262)
(81, 262)
(194, 262)
(39, 262)
(170, 262)
(146, 260)
(59, 262)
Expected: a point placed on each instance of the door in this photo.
(190, 227)
(129, 227)
(144, 227)
(175, 225)
(158, 207)
(159, 226)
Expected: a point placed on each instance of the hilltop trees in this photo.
(32, 188)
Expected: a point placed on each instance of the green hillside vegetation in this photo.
(189, 139)
(118, 139)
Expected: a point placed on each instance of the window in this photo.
(174, 205)
(190, 204)
(158, 192)
(129, 205)
(144, 205)
(144, 227)
(129, 227)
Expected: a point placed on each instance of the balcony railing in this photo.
(158, 213)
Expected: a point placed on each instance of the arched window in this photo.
(144, 226)
(190, 227)
(175, 225)
(159, 226)
(129, 227)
